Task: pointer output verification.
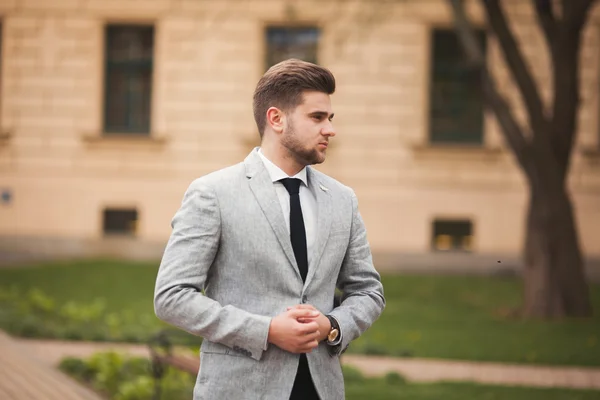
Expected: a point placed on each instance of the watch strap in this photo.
(334, 325)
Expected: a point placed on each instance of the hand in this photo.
(320, 319)
(287, 333)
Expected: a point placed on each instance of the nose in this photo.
(328, 130)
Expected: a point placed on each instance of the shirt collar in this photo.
(277, 173)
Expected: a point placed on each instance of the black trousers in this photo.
(303, 389)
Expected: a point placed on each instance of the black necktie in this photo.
(297, 231)
(303, 388)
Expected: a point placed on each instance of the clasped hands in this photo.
(299, 329)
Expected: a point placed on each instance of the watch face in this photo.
(332, 335)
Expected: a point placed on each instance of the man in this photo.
(258, 249)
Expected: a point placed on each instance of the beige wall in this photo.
(208, 57)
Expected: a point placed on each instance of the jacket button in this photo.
(304, 299)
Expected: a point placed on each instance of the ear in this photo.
(276, 119)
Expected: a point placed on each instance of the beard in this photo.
(295, 147)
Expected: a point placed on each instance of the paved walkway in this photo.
(49, 353)
(431, 370)
(22, 377)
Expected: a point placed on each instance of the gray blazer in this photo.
(229, 267)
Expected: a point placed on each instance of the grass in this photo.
(469, 318)
(380, 389)
(426, 316)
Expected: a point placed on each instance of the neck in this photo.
(281, 157)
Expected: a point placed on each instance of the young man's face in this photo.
(308, 128)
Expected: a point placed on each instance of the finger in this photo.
(306, 320)
(306, 339)
(304, 306)
(312, 336)
(303, 313)
(308, 347)
(309, 328)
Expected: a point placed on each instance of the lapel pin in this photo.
(323, 188)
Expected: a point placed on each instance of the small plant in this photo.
(128, 378)
(35, 314)
(394, 378)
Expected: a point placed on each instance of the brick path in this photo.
(22, 377)
(50, 353)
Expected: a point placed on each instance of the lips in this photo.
(324, 144)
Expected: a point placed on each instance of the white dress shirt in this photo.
(308, 202)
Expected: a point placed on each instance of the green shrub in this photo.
(352, 374)
(34, 314)
(120, 377)
(394, 378)
(107, 367)
(139, 388)
(76, 368)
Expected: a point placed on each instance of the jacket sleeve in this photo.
(362, 300)
(182, 275)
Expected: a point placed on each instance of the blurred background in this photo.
(109, 109)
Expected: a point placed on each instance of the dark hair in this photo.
(283, 84)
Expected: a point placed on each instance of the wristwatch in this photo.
(334, 332)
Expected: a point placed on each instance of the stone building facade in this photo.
(110, 108)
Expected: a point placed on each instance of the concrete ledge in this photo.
(16, 250)
(23, 249)
(463, 263)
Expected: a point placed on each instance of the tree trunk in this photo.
(554, 277)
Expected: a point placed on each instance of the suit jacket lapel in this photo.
(264, 191)
(324, 209)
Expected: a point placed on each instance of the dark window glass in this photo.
(120, 221)
(456, 98)
(452, 235)
(128, 78)
(291, 42)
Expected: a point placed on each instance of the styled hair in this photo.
(283, 84)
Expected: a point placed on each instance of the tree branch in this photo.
(512, 132)
(516, 63)
(566, 81)
(576, 11)
(548, 23)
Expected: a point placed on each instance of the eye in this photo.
(317, 117)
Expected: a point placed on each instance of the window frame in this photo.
(452, 219)
(130, 131)
(285, 26)
(127, 233)
(431, 138)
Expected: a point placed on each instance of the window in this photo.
(291, 42)
(128, 79)
(5, 196)
(451, 235)
(120, 221)
(456, 97)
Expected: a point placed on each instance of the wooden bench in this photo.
(162, 353)
(181, 362)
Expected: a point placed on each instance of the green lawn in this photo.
(469, 318)
(379, 389)
(426, 316)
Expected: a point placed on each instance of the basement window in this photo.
(452, 235)
(119, 221)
